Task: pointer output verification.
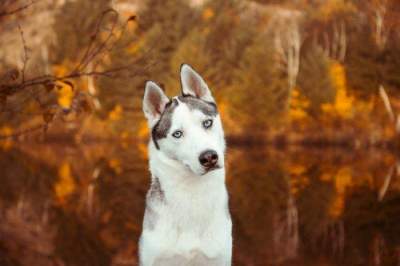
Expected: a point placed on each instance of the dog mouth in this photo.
(206, 169)
(209, 169)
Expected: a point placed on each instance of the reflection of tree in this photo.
(314, 202)
(97, 223)
(121, 199)
(77, 243)
(25, 209)
(374, 226)
(359, 225)
(282, 203)
(263, 216)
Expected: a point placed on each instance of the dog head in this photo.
(186, 128)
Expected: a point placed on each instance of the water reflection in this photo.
(83, 205)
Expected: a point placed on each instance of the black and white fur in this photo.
(187, 220)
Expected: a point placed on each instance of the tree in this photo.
(368, 65)
(314, 81)
(217, 56)
(147, 46)
(163, 25)
(27, 93)
(285, 28)
(260, 92)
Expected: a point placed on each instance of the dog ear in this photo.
(154, 102)
(193, 84)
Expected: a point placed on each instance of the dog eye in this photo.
(177, 134)
(207, 123)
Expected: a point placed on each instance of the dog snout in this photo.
(208, 158)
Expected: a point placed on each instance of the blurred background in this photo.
(309, 94)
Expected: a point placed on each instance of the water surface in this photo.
(64, 204)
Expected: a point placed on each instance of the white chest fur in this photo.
(187, 220)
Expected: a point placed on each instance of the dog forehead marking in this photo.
(207, 108)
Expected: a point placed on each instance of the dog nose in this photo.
(208, 158)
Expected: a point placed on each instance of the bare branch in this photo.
(16, 10)
(380, 27)
(25, 55)
(386, 101)
(92, 50)
(386, 183)
(91, 54)
(17, 82)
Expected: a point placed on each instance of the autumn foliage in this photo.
(279, 70)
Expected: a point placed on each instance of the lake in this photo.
(68, 204)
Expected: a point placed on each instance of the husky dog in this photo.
(187, 220)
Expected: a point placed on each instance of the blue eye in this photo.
(207, 123)
(177, 134)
